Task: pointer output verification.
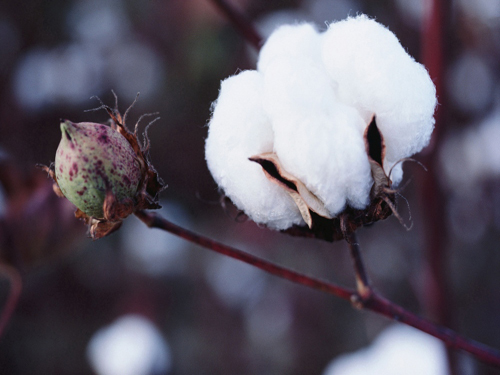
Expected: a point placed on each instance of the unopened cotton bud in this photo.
(91, 160)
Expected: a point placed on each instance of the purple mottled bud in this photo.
(91, 160)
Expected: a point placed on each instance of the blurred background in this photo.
(144, 302)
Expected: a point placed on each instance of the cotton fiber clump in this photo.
(309, 102)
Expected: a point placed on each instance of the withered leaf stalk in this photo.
(105, 172)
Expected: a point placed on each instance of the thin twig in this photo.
(153, 220)
(240, 23)
(15, 282)
(362, 281)
(436, 294)
(373, 301)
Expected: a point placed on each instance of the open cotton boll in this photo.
(307, 108)
(317, 139)
(291, 41)
(376, 75)
(239, 129)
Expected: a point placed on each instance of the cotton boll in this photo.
(239, 129)
(310, 102)
(317, 139)
(291, 42)
(376, 75)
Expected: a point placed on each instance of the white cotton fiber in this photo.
(239, 129)
(376, 75)
(317, 139)
(310, 101)
(290, 42)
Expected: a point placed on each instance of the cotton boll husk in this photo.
(239, 129)
(317, 139)
(291, 42)
(377, 76)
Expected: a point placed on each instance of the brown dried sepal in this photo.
(306, 201)
(146, 197)
(319, 223)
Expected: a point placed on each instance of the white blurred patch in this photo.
(398, 350)
(238, 285)
(468, 214)
(131, 345)
(10, 42)
(470, 83)
(68, 74)
(472, 156)
(414, 12)
(153, 251)
(269, 321)
(486, 11)
(134, 67)
(103, 54)
(98, 23)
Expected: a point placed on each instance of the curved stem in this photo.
(362, 281)
(15, 291)
(240, 23)
(153, 220)
(369, 301)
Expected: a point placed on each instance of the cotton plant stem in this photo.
(240, 23)
(153, 220)
(15, 282)
(436, 295)
(368, 298)
(435, 232)
(362, 281)
(369, 301)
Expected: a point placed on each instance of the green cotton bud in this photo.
(93, 160)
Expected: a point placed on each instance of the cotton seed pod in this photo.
(91, 159)
(312, 141)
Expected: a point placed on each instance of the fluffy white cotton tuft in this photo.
(317, 139)
(376, 76)
(309, 101)
(291, 42)
(239, 129)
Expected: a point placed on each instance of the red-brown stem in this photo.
(362, 280)
(15, 282)
(452, 339)
(373, 301)
(153, 220)
(240, 23)
(435, 295)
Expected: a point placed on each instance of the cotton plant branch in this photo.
(435, 295)
(240, 23)
(437, 298)
(365, 297)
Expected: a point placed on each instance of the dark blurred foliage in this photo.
(217, 316)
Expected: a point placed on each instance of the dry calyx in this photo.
(320, 224)
(105, 172)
